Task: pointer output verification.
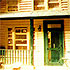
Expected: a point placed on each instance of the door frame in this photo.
(46, 40)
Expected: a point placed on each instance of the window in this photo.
(39, 5)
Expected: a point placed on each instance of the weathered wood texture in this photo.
(39, 39)
(32, 5)
(5, 24)
(25, 5)
(3, 6)
(67, 34)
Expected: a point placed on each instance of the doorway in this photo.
(53, 42)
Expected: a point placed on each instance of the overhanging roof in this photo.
(35, 15)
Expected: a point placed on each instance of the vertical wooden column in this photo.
(46, 4)
(13, 38)
(31, 40)
(45, 45)
(69, 5)
(32, 5)
(60, 4)
(6, 5)
(18, 5)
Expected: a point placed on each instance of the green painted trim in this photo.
(31, 40)
(36, 17)
(4, 56)
(46, 44)
(7, 56)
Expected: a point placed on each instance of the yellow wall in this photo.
(67, 37)
(39, 39)
(10, 23)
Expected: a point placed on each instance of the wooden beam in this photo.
(37, 17)
(46, 4)
(32, 5)
(31, 40)
(45, 44)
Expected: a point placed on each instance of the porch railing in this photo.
(10, 56)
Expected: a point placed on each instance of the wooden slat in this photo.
(3, 6)
(64, 5)
(25, 5)
(21, 44)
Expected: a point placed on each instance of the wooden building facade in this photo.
(40, 37)
(33, 5)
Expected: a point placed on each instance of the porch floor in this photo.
(27, 67)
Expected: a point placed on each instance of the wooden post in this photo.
(7, 56)
(12, 56)
(18, 5)
(46, 4)
(60, 4)
(69, 5)
(31, 40)
(13, 38)
(6, 5)
(2, 55)
(24, 56)
(32, 5)
(45, 45)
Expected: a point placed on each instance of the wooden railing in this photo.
(10, 56)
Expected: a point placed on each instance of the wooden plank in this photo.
(21, 44)
(32, 5)
(60, 4)
(13, 38)
(31, 40)
(53, 1)
(24, 56)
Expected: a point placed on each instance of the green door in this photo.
(53, 42)
(54, 45)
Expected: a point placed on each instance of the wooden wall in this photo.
(16, 5)
(39, 39)
(3, 6)
(10, 23)
(67, 37)
(31, 5)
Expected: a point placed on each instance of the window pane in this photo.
(54, 25)
(39, 5)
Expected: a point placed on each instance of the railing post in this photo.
(12, 56)
(24, 56)
(7, 56)
(31, 40)
(2, 55)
